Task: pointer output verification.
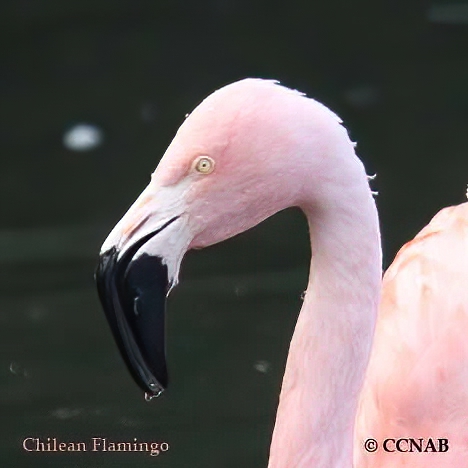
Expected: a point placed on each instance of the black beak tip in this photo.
(133, 292)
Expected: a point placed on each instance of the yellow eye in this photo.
(204, 165)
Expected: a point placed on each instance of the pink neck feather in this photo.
(332, 340)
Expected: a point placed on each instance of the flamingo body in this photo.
(417, 380)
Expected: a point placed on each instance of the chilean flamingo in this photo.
(246, 152)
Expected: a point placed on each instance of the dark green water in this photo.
(396, 73)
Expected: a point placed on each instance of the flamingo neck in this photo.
(332, 340)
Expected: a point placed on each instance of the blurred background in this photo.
(91, 94)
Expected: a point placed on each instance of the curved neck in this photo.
(332, 340)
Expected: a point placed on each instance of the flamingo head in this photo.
(236, 160)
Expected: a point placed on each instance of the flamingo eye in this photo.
(204, 165)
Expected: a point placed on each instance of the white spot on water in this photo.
(83, 137)
(262, 366)
(18, 370)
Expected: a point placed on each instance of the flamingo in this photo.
(249, 150)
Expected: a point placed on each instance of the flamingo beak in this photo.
(134, 275)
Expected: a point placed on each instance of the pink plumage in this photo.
(266, 148)
(417, 380)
